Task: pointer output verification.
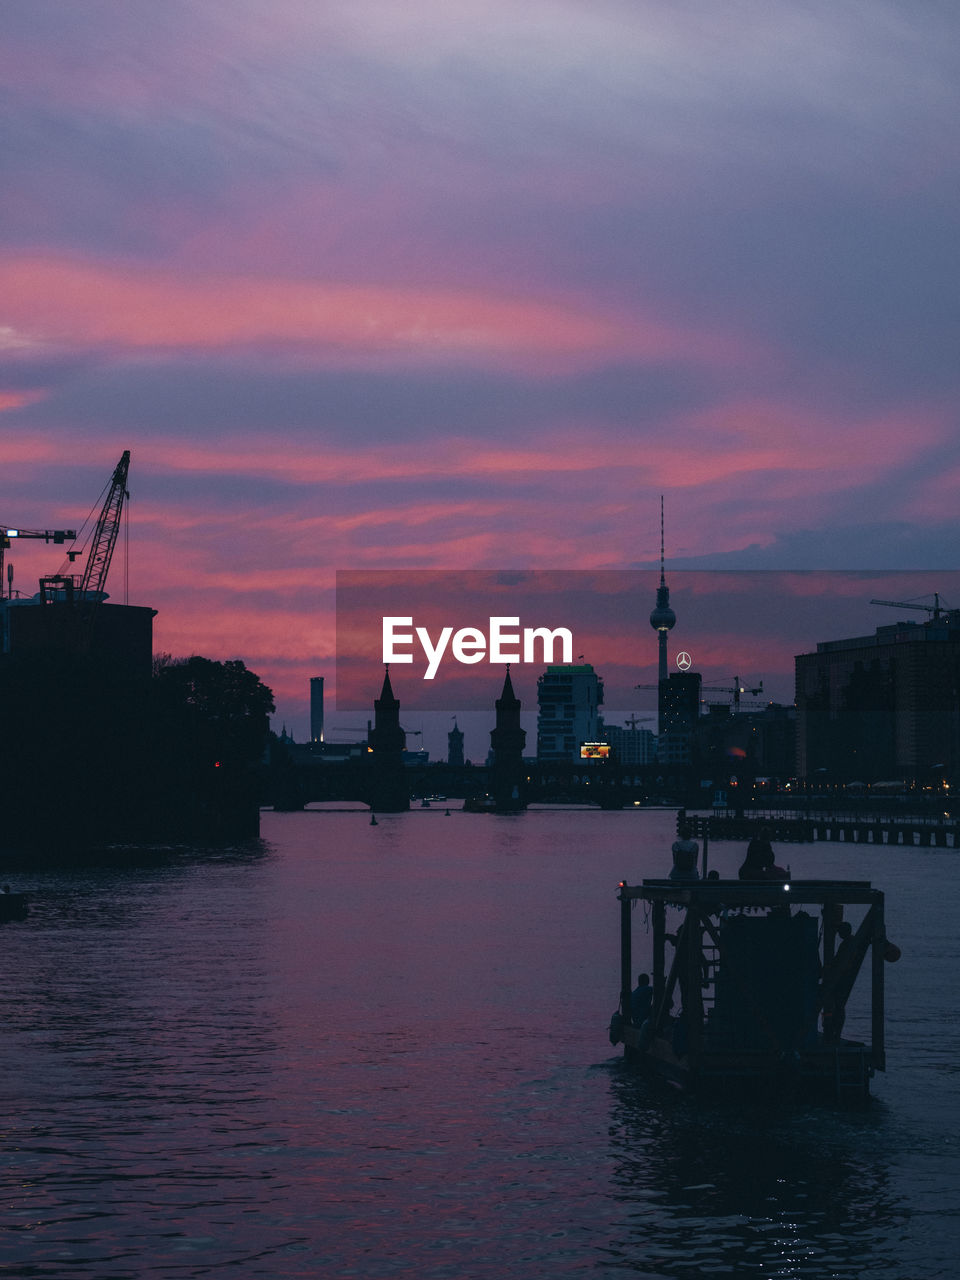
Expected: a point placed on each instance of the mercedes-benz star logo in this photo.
(684, 661)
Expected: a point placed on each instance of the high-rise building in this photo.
(882, 707)
(568, 697)
(316, 709)
(679, 715)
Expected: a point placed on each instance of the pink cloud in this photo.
(16, 449)
(71, 303)
(18, 400)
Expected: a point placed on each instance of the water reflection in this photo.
(360, 1051)
(749, 1191)
(139, 1051)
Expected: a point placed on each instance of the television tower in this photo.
(662, 618)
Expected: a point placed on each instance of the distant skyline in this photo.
(747, 625)
(460, 286)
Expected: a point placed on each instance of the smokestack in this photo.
(316, 708)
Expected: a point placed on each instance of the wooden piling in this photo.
(878, 946)
(626, 958)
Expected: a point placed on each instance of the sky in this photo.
(467, 284)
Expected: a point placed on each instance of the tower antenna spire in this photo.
(662, 618)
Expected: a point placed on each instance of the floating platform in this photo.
(749, 985)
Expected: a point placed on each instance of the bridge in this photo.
(300, 777)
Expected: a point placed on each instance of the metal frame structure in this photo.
(802, 1058)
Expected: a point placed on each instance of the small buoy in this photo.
(447, 813)
(891, 953)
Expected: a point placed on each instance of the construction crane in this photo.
(736, 689)
(7, 537)
(634, 720)
(91, 584)
(105, 535)
(934, 609)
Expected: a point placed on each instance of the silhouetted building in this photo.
(773, 732)
(507, 740)
(882, 707)
(747, 744)
(115, 638)
(75, 689)
(455, 746)
(386, 739)
(316, 709)
(569, 697)
(631, 746)
(679, 715)
(385, 735)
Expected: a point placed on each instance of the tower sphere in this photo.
(662, 618)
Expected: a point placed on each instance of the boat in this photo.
(749, 986)
(480, 804)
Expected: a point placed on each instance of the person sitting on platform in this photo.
(759, 864)
(641, 1000)
(685, 852)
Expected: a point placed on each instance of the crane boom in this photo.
(56, 536)
(105, 534)
(935, 609)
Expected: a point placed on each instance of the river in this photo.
(381, 1051)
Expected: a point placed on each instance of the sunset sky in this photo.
(463, 284)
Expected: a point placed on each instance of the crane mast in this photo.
(105, 535)
(89, 586)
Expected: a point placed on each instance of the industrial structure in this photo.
(68, 615)
(101, 745)
(749, 989)
(316, 709)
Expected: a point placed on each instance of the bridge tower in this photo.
(507, 740)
